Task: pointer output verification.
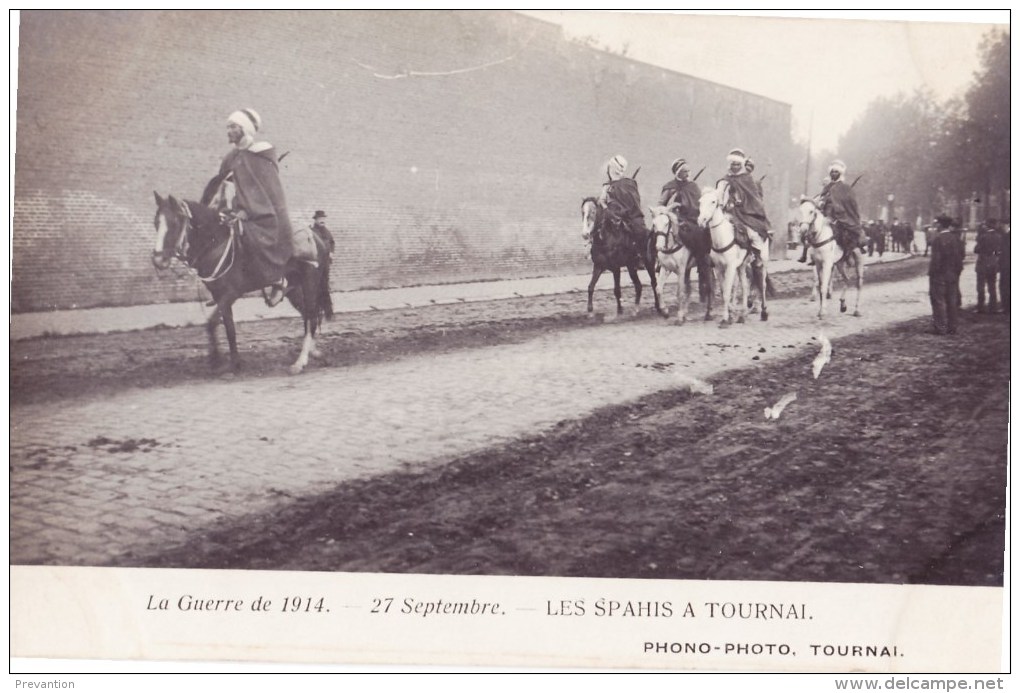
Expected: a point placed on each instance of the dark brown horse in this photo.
(612, 248)
(197, 236)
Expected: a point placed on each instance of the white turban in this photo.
(837, 165)
(616, 167)
(247, 119)
(736, 155)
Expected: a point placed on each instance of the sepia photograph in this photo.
(585, 339)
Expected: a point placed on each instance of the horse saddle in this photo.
(740, 234)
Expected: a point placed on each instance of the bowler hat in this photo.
(319, 214)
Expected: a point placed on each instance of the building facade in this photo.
(444, 146)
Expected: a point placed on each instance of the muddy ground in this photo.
(52, 368)
(890, 468)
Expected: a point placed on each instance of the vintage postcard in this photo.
(500, 339)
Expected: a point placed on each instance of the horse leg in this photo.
(210, 327)
(649, 262)
(686, 260)
(745, 288)
(616, 290)
(310, 314)
(636, 280)
(729, 276)
(596, 272)
(663, 274)
(228, 326)
(841, 267)
(824, 281)
(307, 346)
(763, 289)
(860, 286)
(713, 281)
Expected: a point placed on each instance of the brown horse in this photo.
(612, 249)
(197, 236)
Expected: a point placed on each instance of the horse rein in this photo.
(665, 234)
(182, 250)
(814, 232)
(711, 226)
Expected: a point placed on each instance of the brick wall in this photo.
(445, 146)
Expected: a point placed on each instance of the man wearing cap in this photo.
(622, 200)
(318, 227)
(987, 248)
(745, 203)
(684, 192)
(944, 277)
(258, 205)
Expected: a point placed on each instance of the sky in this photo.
(827, 69)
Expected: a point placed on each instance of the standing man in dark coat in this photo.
(685, 193)
(745, 204)
(1004, 269)
(258, 206)
(318, 227)
(987, 248)
(944, 278)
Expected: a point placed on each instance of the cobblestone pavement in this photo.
(95, 479)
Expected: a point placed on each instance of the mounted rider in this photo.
(622, 202)
(685, 193)
(744, 203)
(838, 203)
(256, 205)
(682, 191)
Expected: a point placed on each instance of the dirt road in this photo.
(522, 438)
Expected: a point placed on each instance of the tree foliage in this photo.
(924, 152)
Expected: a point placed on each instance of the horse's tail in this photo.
(704, 265)
(770, 289)
(325, 299)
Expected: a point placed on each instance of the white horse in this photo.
(674, 258)
(729, 257)
(826, 254)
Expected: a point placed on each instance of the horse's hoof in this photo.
(842, 307)
(764, 316)
(708, 317)
(740, 320)
(295, 369)
(857, 313)
(723, 324)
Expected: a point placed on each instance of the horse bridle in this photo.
(718, 207)
(183, 248)
(665, 234)
(814, 232)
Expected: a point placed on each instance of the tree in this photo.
(894, 147)
(987, 132)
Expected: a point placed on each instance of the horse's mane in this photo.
(213, 187)
(203, 216)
